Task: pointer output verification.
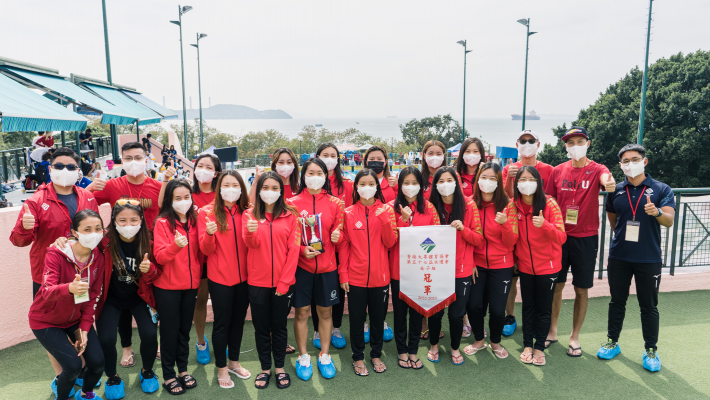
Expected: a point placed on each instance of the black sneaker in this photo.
(114, 380)
(148, 374)
(510, 319)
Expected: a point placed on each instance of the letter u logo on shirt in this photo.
(585, 184)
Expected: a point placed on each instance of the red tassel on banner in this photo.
(430, 312)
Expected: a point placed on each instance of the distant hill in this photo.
(233, 111)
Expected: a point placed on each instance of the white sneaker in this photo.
(316, 336)
(336, 333)
(367, 328)
(304, 360)
(385, 325)
(325, 359)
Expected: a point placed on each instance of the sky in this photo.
(364, 58)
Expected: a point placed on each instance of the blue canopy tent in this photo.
(24, 110)
(505, 153)
(145, 116)
(455, 148)
(148, 103)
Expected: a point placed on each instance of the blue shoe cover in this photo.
(80, 382)
(651, 361)
(149, 385)
(89, 396)
(54, 388)
(304, 368)
(316, 340)
(326, 368)
(203, 356)
(367, 333)
(609, 350)
(387, 334)
(337, 339)
(510, 329)
(116, 391)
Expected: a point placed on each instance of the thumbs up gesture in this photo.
(392, 180)
(380, 211)
(335, 236)
(512, 170)
(211, 226)
(501, 218)
(145, 264)
(252, 226)
(610, 184)
(28, 220)
(538, 220)
(650, 208)
(180, 240)
(406, 213)
(78, 287)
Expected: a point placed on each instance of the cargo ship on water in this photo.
(531, 116)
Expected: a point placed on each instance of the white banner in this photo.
(427, 267)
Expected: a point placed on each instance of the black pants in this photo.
(337, 310)
(229, 304)
(269, 314)
(56, 343)
(147, 330)
(648, 279)
(361, 302)
(176, 308)
(491, 286)
(407, 342)
(125, 327)
(457, 309)
(537, 292)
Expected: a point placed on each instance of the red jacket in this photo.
(467, 184)
(432, 186)
(344, 193)
(224, 249)
(332, 211)
(466, 239)
(273, 250)
(364, 242)
(145, 282)
(390, 192)
(51, 220)
(180, 268)
(202, 199)
(430, 217)
(498, 245)
(53, 305)
(539, 250)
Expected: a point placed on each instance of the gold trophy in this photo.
(312, 221)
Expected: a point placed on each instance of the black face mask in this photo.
(377, 166)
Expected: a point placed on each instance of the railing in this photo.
(685, 244)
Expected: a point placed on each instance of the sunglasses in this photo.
(60, 166)
(531, 141)
(123, 202)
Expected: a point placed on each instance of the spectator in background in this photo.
(251, 179)
(146, 142)
(87, 143)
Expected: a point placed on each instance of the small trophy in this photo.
(312, 221)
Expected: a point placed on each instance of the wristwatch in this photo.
(659, 213)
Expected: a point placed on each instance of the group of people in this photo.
(305, 236)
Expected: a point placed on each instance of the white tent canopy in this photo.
(365, 147)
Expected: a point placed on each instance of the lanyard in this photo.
(633, 209)
(139, 193)
(574, 196)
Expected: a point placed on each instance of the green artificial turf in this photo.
(25, 372)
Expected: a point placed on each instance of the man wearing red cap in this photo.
(575, 185)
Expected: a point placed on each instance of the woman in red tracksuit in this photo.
(411, 209)
(461, 213)
(285, 163)
(493, 257)
(368, 232)
(175, 247)
(539, 254)
(273, 235)
(377, 160)
(342, 188)
(222, 243)
(471, 155)
(317, 272)
(64, 305)
(433, 158)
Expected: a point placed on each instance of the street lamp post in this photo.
(112, 128)
(199, 87)
(642, 114)
(182, 10)
(465, 52)
(526, 22)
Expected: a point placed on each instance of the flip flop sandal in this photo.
(406, 361)
(539, 361)
(283, 377)
(526, 358)
(417, 362)
(424, 335)
(499, 353)
(377, 365)
(470, 350)
(188, 382)
(262, 377)
(131, 357)
(236, 372)
(290, 349)
(356, 367)
(575, 349)
(173, 385)
(441, 334)
(456, 358)
(549, 343)
(229, 382)
(430, 356)
(157, 355)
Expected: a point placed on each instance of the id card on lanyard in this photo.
(633, 227)
(572, 210)
(83, 298)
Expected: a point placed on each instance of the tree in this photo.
(442, 128)
(677, 123)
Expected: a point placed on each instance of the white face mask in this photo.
(128, 231)
(314, 182)
(91, 240)
(410, 190)
(204, 175)
(269, 196)
(182, 206)
(134, 168)
(331, 163)
(487, 186)
(446, 188)
(64, 177)
(367, 192)
(434, 161)
(471, 159)
(527, 149)
(633, 169)
(577, 152)
(231, 194)
(527, 188)
(285, 170)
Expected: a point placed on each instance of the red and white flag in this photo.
(427, 262)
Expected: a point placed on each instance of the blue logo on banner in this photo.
(428, 245)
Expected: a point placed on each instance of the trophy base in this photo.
(318, 246)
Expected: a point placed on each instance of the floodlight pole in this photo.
(112, 128)
(642, 114)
